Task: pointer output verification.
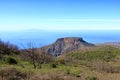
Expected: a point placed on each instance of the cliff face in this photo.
(63, 45)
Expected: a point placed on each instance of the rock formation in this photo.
(64, 45)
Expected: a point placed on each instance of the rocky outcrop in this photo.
(64, 45)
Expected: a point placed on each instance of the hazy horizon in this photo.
(42, 38)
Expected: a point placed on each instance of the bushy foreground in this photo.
(101, 63)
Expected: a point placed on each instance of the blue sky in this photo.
(16, 15)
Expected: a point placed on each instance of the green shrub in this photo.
(8, 49)
(53, 65)
(91, 78)
(60, 61)
(67, 71)
(11, 60)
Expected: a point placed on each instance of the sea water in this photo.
(41, 38)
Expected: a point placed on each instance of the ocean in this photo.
(41, 38)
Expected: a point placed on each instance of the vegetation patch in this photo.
(91, 78)
(11, 60)
(11, 74)
(102, 54)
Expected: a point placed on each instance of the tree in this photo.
(37, 57)
(8, 49)
(43, 57)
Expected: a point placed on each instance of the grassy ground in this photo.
(100, 64)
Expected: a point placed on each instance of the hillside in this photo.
(84, 62)
(64, 45)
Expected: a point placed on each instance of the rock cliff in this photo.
(64, 45)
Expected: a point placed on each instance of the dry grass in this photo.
(107, 76)
(53, 76)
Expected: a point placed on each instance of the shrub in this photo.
(11, 60)
(67, 71)
(8, 49)
(60, 61)
(53, 65)
(91, 78)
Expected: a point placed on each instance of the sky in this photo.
(16, 15)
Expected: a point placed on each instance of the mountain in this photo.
(63, 45)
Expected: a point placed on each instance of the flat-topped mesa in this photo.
(64, 45)
(70, 39)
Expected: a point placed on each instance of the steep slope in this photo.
(63, 45)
